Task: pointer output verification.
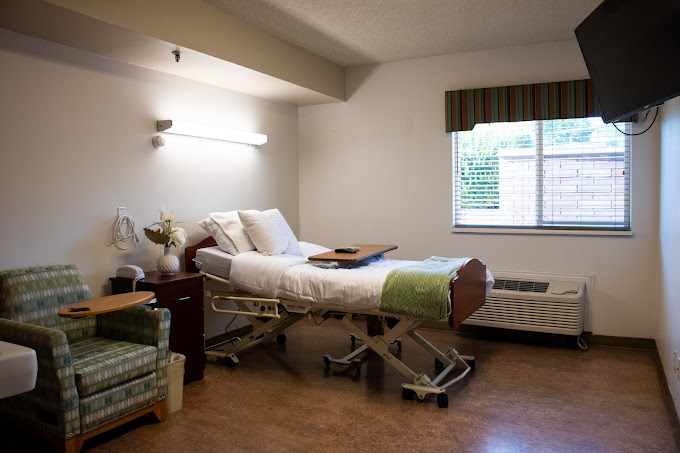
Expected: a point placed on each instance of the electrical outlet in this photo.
(122, 210)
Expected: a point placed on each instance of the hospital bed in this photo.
(274, 292)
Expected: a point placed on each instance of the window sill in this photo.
(540, 231)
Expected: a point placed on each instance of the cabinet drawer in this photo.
(182, 304)
(180, 297)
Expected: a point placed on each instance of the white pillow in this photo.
(223, 242)
(231, 226)
(270, 232)
(228, 232)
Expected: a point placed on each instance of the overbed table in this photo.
(365, 252)
(106, 304)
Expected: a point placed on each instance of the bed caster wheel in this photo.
(407, 394)
(438, 364)
(327, 361)
(281, 338)
(229, 363)
(357, 367)
(443, 400)
(471, 364)
(353, 339)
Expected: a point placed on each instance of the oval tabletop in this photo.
(106, 304)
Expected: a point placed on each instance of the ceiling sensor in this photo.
(176, 53)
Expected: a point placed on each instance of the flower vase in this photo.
(167, 263)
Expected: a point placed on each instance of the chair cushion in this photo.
(100, 363)
(117, 401)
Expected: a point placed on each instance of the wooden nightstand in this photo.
(182, 294)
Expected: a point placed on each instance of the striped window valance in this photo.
(536, 101)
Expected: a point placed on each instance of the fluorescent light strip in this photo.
(203, 131)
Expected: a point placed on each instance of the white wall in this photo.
(668, 334)
(75, 143)
(377, 169)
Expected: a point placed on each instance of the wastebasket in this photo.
(175, 381)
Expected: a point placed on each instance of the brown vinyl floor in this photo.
(520, 398)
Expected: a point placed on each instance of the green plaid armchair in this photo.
(95, 372)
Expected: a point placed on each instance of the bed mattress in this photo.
(214, 260)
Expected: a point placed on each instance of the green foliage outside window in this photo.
(479, 179)
(479, 164)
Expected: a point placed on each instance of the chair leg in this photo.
(160, 410)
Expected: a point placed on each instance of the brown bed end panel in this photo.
(190, 253)
(468, 291)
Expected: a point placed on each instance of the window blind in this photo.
(563, 174)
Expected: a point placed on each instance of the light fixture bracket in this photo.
(163, 125)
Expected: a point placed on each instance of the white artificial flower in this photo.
(179, 236)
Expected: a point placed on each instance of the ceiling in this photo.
(291, 51)
(357, 32)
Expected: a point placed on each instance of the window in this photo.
(551, 174)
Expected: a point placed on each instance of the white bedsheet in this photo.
(358, 287)
(259, 274)
(292, 277)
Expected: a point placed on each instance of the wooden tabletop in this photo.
(106, 304)
(365, 252)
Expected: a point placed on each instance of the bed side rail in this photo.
(264, 308)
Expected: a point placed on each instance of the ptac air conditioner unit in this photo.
(537, 306)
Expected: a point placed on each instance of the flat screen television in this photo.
(632, 50)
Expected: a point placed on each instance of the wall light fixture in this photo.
(215, 133)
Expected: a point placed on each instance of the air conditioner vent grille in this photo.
(526, 304)
(521, 285)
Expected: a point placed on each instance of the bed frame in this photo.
(271, 317)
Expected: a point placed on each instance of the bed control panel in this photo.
(267, 308)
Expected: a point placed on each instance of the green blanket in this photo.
(421, 290)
